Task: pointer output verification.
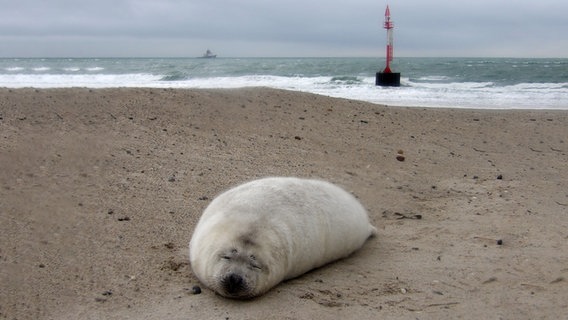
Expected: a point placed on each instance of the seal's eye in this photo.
(229, 255)
(253, 263)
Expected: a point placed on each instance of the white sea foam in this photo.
(433, 78)
(76, 80)
(459, 95)
(485, 95)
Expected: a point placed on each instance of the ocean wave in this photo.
(345, 80)
(430, 78)
(451, 85)
(46, 80)
(175, 76)
(486, 95)
(14, 69)
(538, 86)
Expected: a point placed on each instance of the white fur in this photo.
(269, 230)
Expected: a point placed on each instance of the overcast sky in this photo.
(252, 28)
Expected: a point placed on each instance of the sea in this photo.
(486, 83)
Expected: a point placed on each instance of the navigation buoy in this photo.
(387, 77)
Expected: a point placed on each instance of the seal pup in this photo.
(252, 237)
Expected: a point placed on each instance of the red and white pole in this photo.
(389, 26)
(387, 77)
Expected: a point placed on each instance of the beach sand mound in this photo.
(100, 191)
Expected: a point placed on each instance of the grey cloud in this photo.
(436, 27)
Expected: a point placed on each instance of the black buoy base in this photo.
(391, 79)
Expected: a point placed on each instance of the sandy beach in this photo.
(100, 190)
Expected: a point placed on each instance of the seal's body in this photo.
(260, 233)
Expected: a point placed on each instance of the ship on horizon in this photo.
(208, 54)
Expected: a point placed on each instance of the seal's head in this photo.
(238, 273)
(239, 265)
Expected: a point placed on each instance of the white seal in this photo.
(252, 237)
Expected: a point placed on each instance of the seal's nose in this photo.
(233, 283)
